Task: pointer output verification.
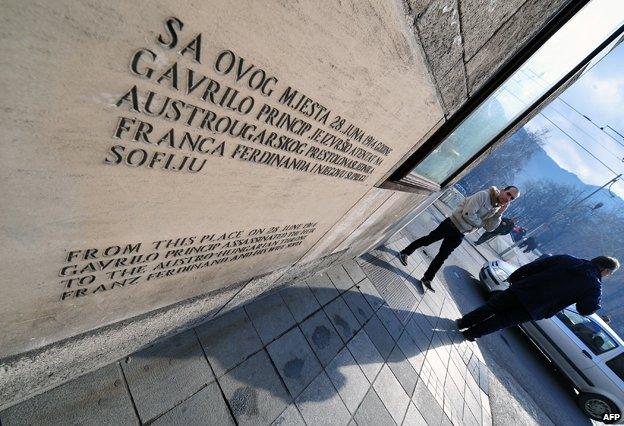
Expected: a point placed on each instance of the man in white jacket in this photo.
(480, 210)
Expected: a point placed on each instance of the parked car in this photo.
(584, 348)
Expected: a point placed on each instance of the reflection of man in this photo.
(539, 290)
(480, 210)
(505, 227)
(529, 244)
(517, 233)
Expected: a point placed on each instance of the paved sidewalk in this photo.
(356, 344)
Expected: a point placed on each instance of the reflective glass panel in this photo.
(558, 56)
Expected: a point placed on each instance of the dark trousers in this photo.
(485, 237)
(501, 310)
(451, 239)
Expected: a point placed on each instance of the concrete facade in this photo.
(162, 166)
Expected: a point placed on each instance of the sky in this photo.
(574, 138)
(599, 96)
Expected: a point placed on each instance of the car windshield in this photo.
(588, 331)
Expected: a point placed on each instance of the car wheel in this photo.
(596, 406)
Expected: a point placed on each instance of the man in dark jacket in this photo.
(539, 290)
(505, 227)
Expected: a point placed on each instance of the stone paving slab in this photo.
(165, 374)
(270, 317)
(229, 340)
(342, 281)
(358, 344)
(391, 394)
(379, 336)
(322, 288)
(290, 417)
(366, 355)
(295, 361)
(372, 411)
(322, 337)
(403, 370)
(195, 410)
(348, 379)
(300, 300)
(254, 391)
(354, 270)
(87, 400)
(358, 305)
(342, 319)
(320, 404)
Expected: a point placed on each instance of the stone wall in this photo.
(466, 41)
(246, 138)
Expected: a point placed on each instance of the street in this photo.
(525, 388)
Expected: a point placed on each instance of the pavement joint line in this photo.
(227, 403)
(123, 374)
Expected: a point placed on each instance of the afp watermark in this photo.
(612, 417)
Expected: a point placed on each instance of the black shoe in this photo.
(467, 336)
(427, 284)
(460, 325)
(403, 258)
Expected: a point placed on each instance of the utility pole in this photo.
(559, 215)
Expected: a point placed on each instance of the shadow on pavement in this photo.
(390, 267)
(456, 277)
(252, 370)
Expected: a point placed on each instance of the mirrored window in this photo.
(557, 57)
(588, 331)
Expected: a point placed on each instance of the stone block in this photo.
(165, 374)
(379, 336)
(320, 403)
(340, 278)
(391, 394)
(427, 404)
(295, 361)
(348, 379)
(228, 340)
(254, 391)
(205, 407)
(372, 411)
(300, 300)
(403, 370)
(508, 38)
(322, 337)
(390, 321)
(439, 31)
(417, 6)
(413, 417)
(322, 288)
(453, 88)
(290, 417)
(354, 270)
(358, 304)
(95, 398)
(342, 318)
(270, 317)
(410, 349)
(481, 19)
(366, 355)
